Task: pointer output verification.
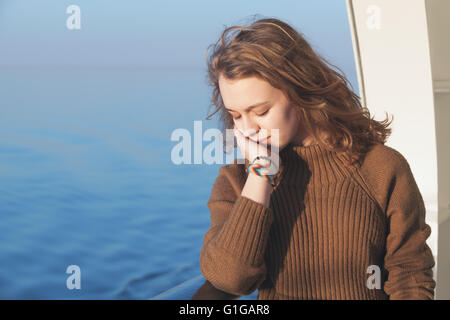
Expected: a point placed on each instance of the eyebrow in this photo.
(253, 106)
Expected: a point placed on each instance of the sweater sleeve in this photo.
(408, 258)
(232, 256)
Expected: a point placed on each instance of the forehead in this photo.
(241, 93)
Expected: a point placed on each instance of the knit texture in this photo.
(328, 224)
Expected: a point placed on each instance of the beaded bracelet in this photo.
(257, 158)
(258, 169)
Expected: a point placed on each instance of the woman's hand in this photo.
(251, 149)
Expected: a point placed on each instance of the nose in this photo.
(249, 127)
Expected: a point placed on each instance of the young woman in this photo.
(342, 218)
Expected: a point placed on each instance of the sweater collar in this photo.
(296, 160)
(308, 153)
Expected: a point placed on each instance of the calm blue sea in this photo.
(86, 179)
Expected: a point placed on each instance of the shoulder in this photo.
(381, 168)
(234, 169)
(230, 179)
(384, 159)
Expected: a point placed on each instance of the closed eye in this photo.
(258, 114)
(262, 114)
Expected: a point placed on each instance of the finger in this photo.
(249, 133)
(256, 149)
(240, 140)
(238, 135)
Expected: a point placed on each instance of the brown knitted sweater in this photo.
(327, 226)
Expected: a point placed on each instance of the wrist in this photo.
(259, 171)
(260, 180)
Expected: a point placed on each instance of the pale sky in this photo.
(163, 34)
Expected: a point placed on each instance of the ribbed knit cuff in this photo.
(246, 231)
(412, 294)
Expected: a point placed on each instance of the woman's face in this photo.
(275, 112)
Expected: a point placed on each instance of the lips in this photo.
(265, 140)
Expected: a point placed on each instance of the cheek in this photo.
(284, 122)
(290, 126)
(290, 118)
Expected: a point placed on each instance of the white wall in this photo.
(401, 52)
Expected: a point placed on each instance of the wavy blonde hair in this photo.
(274, 51)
